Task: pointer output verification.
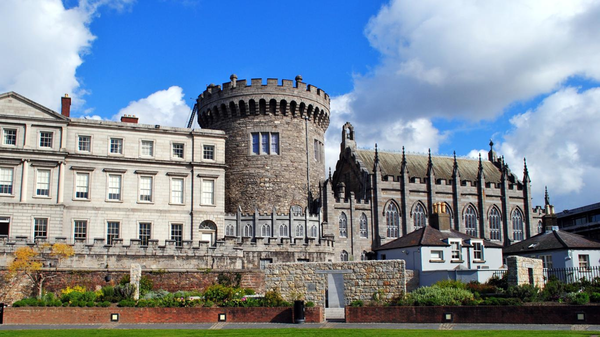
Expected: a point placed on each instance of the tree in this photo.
(30, 261)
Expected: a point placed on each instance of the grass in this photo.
(292, 332)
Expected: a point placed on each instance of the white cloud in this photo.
(164, 107)
(560, 141)
(42, 45)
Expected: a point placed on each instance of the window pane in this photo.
(255, 143)
(177, 234)
(209, 152)
(114, 187)
(147, 148)
(116, 145)
(177, 191)
(145, 233)
(178, 150)
(112, 232)
(10, 136)
(82, 185)
(274, 143)
(145, 188)
(84, 143)
(208, 192)
(40, 229)
(6, 180)
(43, 183)
(80, 229)
(45, 139)
(264, 143)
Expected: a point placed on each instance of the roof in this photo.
(391, 162)
(429, 236)
(554, 240)
(578, 210)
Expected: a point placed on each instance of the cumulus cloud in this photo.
(43, 44)
(164, 107)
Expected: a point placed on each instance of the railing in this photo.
(571, 275)
(499, 273)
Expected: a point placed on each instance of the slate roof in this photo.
(554, 240)
(429, 236)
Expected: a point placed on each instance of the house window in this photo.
(265, 143)
(299, 230)
(495, 228)
(146, 188)
(471, 221)
(80, 229)
(344, 256)
(208, 152)
(437, 255)
(145, 233)
(46, 139)
(343, 223)
(82, 185)
(392, 219)
(116, 145)
(177, 234)
(477, 251)
(248, 231)
(6, 181)
(112, 231)
(84, 143)
(4, 226)
(114, 187)
(584, 261)
(456, 254)
(419, 216)
(178, 150)
(208, 192)
(42, 187)
(314, 231)
(283, 231)
(265, 231)
(517, 222)
(40, 228)
(264, 263)
(364, 231)
(230, 230)
(546, 261)
(9, 137)
(147, 148)
(177, 191)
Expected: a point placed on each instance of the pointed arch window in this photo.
(495, 227)
(364, 231)
(299, 230)
(283, 231)
(471, 221)
(230, 230)
(314, 231)
(343, 225)
(517, 224)
(392, 219)
(449, 212)
(248, 231)
(265, 231)
(344, 256)
(419, 216)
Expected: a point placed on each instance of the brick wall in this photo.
(153, 315)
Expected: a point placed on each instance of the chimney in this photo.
(129, 119)
(440, 220)
(65, 106)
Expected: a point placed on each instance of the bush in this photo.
(125, 291)
(127, 303)
(108, 294)
(104, 304)
(578, 298)
(356, 303)
(219, 294)
(274, 299)
(434, 295)
(309, 304)
(450, 284)
(501, 283)
(501, 301)
(525, 292)
(485, 288)
(595, 297)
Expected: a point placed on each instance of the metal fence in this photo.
(499, 273)
(571, 275)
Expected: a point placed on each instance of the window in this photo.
(343, 223)
(145, 233)
(344, 256)
(248, 231)
(178, 150)
(314, 231)
(116, 145)
(46, 139)
(392, 219)
(363, 256)
(584, 261)
(114, 187)
(148, 148)
(318, 149)
(477, 251)
(540, 227)
(265, 143)
(208, 152)
(9, 137)
(419, 216)
(364, 231)
(208, 192)
(471, 221)
(230, 230)
(177, 191)
(449, 212)
(177, 234)
(437, 255)
(264, 263)
(517, 222)
(6, 181)
(495, 228)
(112, 231)
(299, 230)
(80, 229)
(547, 261)
(40, 228)
(84, 143)
(456, 254)
(4, 226)
(82, 185)
(265, 231)
(283, 231)
(42, 187)
(146, 188)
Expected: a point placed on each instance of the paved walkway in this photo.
(329, 325)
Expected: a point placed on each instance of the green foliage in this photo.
(146, 285)
(577, 298)
(450, 284)
(229, 279)
(219, 293)
(525, 292)
(309, 304)
(595, 298)
(127, 303)
(501, 301)
(501, 283)
(485, 288)
(274, 299)
(434, 295)
(125, 291)
(357, 303)
(108, 294)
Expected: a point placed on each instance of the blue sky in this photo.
(445, 76)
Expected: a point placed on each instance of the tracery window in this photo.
(343, 225)
(495, 227)
(419, 216)
(517, 224)
(364, 231)
(471, 221)
(344, 256)
(392, 220)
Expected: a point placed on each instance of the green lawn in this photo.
(291, 332)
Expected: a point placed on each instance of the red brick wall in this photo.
(479, 314)
(36, 315)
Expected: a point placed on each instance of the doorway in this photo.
(335, 301)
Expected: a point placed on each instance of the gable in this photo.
(16, 106)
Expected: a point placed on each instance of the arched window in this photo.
(419, 216)
(248, 231)
(449, 212)
(540, 227)
(299, 230)
(363, 256)
(517, 224)
(364, 231)
(344, 256)
(265, 231)
(230, 230)
(392, 220)
(314, 231)
(495, 227)
(471, 221)
(343, 225)
(283, 231)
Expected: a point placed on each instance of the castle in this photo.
(247, 189)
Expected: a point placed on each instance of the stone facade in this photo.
(361, 279)
(525, 270)
(268, 172)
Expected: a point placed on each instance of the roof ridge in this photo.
(560, 240)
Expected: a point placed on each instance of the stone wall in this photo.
(361, 279)
(525, 270)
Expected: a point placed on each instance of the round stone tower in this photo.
(275, 146)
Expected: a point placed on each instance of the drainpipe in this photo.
(192, 192)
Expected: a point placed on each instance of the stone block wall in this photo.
(525, 270)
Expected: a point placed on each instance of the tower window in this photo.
(265, 143)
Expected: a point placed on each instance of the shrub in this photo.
(127, 303)
(309, 304)
(484, 288)
(219, 294)
(146, 285)
(356, 303)
(524, 292)
(434, 295)
(578, 298)
(274, 299)
(499, 282)
(69, 290)
(451, 284)
(125, 291)
(108, 294)
(156, 295)
(501, 301)
(595, 297)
